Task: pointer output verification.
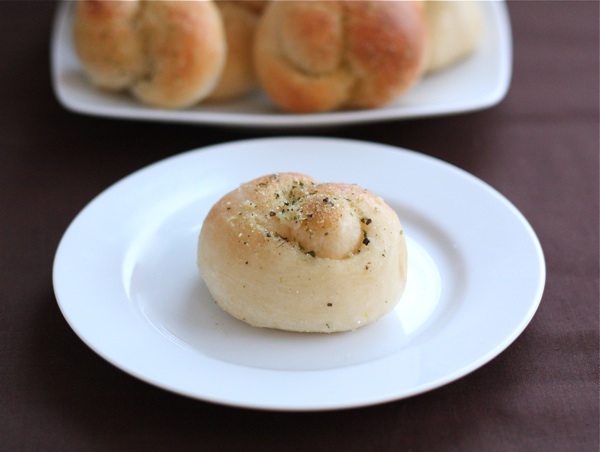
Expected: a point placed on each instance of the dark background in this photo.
(539, 148)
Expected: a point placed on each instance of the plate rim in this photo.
(501, 21)
(214, 150)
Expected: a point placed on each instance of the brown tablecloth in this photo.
(539, 148)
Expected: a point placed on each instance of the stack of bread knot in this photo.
(308, 56)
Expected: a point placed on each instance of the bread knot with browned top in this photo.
(316, 56)
(283, 251)
(168, 54)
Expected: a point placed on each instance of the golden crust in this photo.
(186, 48)
(169, 54)
(107, 42)
(285, 252)
(313, 56)
(387, 43)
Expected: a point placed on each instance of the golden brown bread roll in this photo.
(285, 252)
(455, 28)
(240, 19)
(169, 54)
(313, 56)
(108, 45)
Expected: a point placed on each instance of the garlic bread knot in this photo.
(284, 251)
(317, 56)
(168, 54)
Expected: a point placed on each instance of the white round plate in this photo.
(478, 82)
(125, 279)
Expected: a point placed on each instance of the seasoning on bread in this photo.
(283, 251)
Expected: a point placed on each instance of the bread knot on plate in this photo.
(169, 54)
(316, 56)
(308, 56)
(284, 251)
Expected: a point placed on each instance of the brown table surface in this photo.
(539, 147)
